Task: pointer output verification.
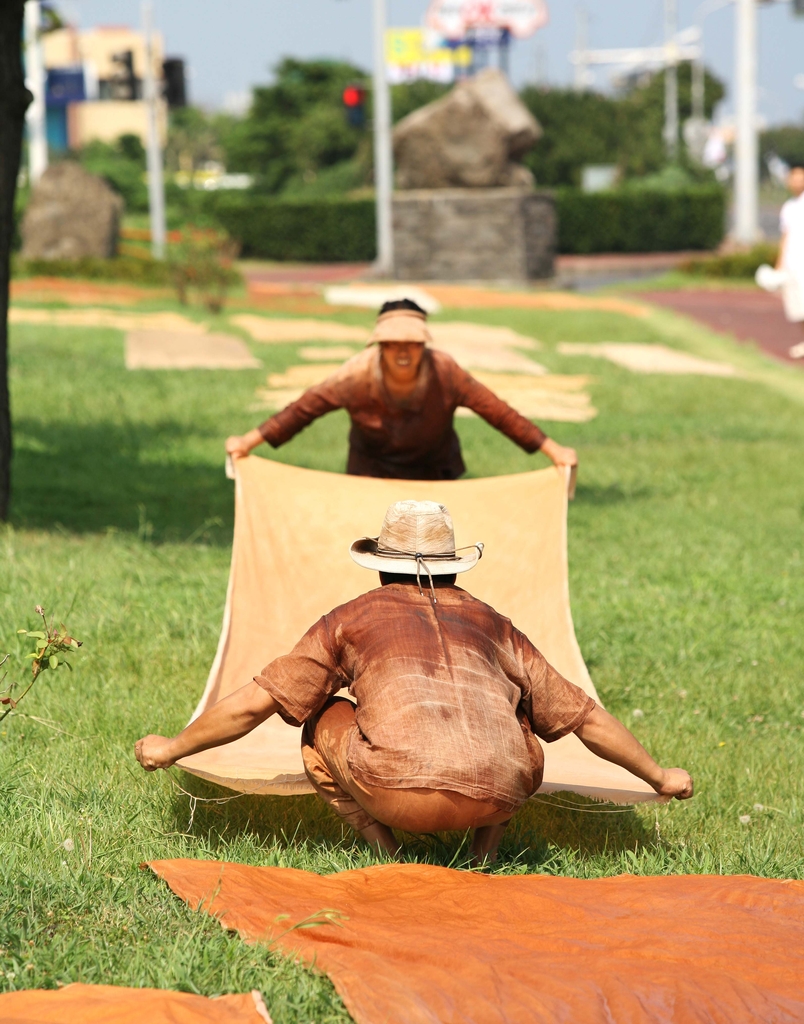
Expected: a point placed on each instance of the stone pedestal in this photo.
(474, 234)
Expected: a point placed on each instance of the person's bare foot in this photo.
(381, 839)
(486, 842)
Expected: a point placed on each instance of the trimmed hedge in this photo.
(640, 220)
(130, 269)
(333, 230)
(343, 230)
(319, 231)
(735, 264)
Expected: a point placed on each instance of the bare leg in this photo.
(381, 839)
(485, 843)
(797, 351)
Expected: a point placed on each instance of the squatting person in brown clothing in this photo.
(449, 699)
(401, 398)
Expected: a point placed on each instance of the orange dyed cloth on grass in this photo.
(107, 1004)
(416, 944)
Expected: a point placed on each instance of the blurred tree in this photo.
(407, 98)
(297, 126)
(579, 128)
(122, 164)
(642, 150)
(786, 141)
(591, 128)
(195, 138)
(14, 100)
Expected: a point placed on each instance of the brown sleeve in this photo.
(482, 400)
(315, 402)
(554, 706)
(302, 680)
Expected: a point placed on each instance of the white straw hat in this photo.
(416, 537)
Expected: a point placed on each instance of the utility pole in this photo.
(671, 80)
(581, 47)
(156, 186)
(35, 81)
(746, 148)
(698, 69)
(383, 153)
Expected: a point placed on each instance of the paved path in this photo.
(577, 272)
(302, 273)
(597, 270)
(748, 315)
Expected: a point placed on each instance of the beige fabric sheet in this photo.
(165, 350)
(291, 564)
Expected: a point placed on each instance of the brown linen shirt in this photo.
(414, 440)
(447, 694)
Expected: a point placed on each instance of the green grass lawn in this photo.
(686, 563)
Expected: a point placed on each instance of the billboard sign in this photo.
(454, 18)
(413, 53)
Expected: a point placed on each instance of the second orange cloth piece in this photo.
(108, 1004)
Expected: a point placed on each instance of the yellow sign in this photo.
(408, 56)
(404, 46)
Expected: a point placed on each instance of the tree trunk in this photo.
(14, 100)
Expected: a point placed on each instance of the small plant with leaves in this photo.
(51, 645)
(203, 259)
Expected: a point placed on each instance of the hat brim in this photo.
(401, 325)
(364, 552)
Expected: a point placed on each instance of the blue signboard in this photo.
(64, 85)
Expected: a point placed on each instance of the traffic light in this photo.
(125, 84)
(354, 101)
(175, 82)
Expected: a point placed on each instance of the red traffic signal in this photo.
(354, 96)
(354, 100)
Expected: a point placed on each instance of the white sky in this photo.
(231, 45)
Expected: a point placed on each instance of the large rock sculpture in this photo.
(71, 214)
(466, 209)
(471, 138)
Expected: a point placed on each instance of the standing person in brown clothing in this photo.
(449, 699)
(401, 397)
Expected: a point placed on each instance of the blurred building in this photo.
(94, 85)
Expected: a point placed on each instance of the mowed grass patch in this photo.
(686, 547)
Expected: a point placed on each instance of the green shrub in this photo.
(130, 269)
(319, 231)
(122, 165)
(202, 259)
(637, 220)
(735, 264)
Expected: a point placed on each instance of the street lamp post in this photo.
(671, 80)
(383, 154)
(35, 81)
(698, 68)
(746, 146)
(581, 46)
(156, 186)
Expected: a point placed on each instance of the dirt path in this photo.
(748, 315)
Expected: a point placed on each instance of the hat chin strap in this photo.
(419, 563)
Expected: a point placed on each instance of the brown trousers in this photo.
(325, 742)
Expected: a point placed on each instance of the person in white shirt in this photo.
(791, 253)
